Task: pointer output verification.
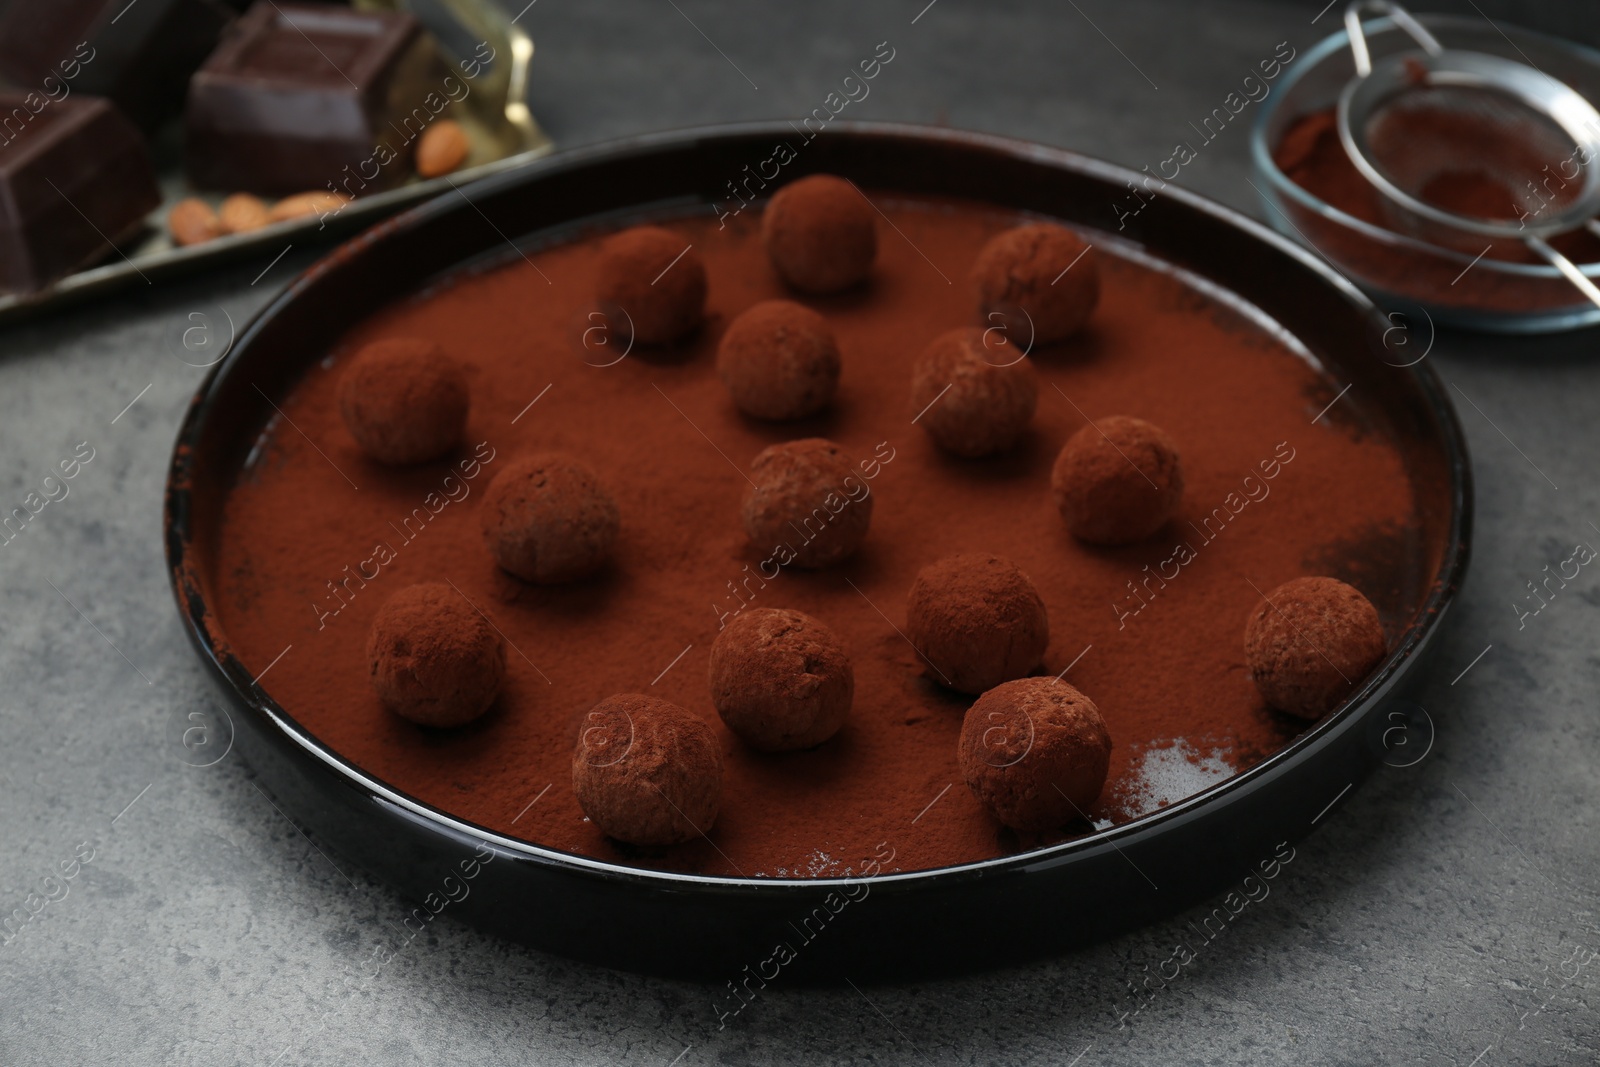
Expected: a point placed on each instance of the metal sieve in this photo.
(1497, 122)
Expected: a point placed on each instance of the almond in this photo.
(241, 213)
(192, 221)
(442, 149)
(317, 202)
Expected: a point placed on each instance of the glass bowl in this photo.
(1403, 273)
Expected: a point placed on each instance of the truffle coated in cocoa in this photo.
(433, 658)
(820, 234)
(978, 620)
(971, 399)
(404, 401)
(1041, 280)
(548, 519)
(1117, 481)
(780, 679)
(1310, 643)
(808, 501)
(646, 771)
(1035, 752)
(779, 361)
(655, 280)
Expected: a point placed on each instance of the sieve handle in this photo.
(1566, 267)
(1402, 18)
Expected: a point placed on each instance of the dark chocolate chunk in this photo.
(139, 55)
(306, 96)
(74, 178)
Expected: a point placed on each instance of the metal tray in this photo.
(496, 117)
(913, 923)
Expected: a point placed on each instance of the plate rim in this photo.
(231, 674)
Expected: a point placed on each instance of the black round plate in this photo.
(915, 923)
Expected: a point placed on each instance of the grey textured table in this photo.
(1445, 914)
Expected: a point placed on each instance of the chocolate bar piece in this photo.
(74, 178)
(140, 55)
(303, 96)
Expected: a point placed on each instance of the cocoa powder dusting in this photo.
(1151, 631)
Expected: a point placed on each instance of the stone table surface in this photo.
(1445, 914)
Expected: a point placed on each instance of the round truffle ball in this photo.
(1117, 481)
(404, 401)
(657, 281)
(972, 400)
(978, 621)
(779, 361)
(780, 679)
(647, 772)
(1035, 752)
(1024, 281)
(434, 659)
(1311, 644)
(808, 502)
(548, 519)
(820, 234)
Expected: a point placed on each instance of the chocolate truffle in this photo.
(971, 402)
(820, 234)
(404, 400)
(1035, 752)
(647, 772)
(1022, 278)
(780, 679)
(807, 503)
(433, 658)
(1117, 481)
(548, 519)
(978, 620)
(1311, 644)
(656, 280)
(779, 361)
